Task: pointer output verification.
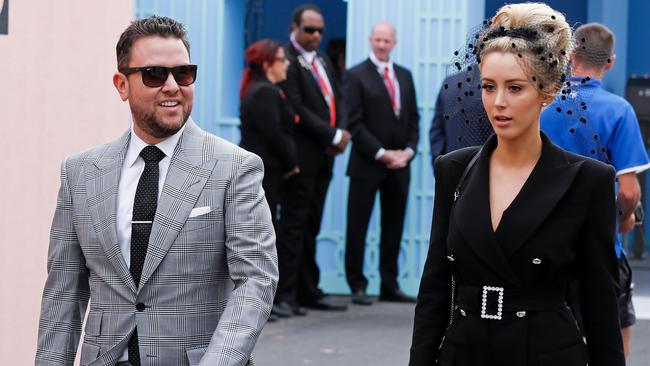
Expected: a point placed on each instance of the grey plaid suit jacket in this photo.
(207, 284)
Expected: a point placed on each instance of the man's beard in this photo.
(150, 125)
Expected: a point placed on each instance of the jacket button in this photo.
(451, 258)
(537, 261)
(139, 307)
(462, 312)
(521, 314)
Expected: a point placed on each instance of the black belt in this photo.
(491, 302)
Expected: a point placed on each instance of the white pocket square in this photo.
(199, 211)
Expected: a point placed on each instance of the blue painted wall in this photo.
(638, 34)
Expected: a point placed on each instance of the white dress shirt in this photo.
(309, 57)
(381, 67)
(131, 172)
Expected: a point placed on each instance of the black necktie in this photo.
(144, 210)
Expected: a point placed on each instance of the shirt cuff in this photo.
(337, 137)
(380, 153)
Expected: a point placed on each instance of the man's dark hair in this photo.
(150, 26)
(296, 17)
(594, 45)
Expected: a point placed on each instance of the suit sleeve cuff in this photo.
(380, 153)
(337, 137)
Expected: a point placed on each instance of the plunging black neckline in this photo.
(514, 200)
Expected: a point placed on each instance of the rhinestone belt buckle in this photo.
(484, 314)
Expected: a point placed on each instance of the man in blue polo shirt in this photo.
(588, 120)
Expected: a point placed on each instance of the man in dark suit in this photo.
(450, 128)
(314, 94)
(382, 114)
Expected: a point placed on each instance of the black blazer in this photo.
(267, 122)
(313, 132)
(371, 119)
(559, 228)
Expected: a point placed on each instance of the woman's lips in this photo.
(502, 121)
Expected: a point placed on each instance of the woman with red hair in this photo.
(267, 120)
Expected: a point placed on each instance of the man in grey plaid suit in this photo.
(206, 283)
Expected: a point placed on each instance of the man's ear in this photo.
(610, 64)
(121, 85)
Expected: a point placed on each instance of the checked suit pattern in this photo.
(208, 281)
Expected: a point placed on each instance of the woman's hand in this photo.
(291, 172)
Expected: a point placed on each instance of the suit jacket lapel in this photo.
(371, 70)
(471, 215)
(548, 183)
(189, 170)
(102, 181)
(305, 69)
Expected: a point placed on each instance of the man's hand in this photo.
(398, 159)
(388, 158)
(345, 139)
(334, 150)
(394, 159)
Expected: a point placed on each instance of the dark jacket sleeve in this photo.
(310, 123)
(362, 138)
(265, 114)
(598, 275)
(414, 116)
(434, 297)
(437, 133)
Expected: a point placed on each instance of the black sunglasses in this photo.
(156, 76)
(312, 30)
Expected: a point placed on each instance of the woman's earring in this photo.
(544, 104)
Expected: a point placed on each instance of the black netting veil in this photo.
(545, 61)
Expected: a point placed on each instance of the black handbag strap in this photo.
(465, 172)
(456, 194)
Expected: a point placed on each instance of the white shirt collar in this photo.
(136, 145)
(381, 65)
(307, 55)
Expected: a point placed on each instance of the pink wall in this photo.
(56, 98)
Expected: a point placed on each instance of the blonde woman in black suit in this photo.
(519, 219)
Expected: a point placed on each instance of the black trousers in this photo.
(302, 202)
(393, 194)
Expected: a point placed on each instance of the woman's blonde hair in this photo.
(539, 36)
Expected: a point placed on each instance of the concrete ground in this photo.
(381, 334)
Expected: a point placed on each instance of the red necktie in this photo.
(326, 92)
(391, 88)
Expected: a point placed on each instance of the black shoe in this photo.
(396, 296)
(282, 309)
(326, 304)
(298, 310)
(359, 297)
